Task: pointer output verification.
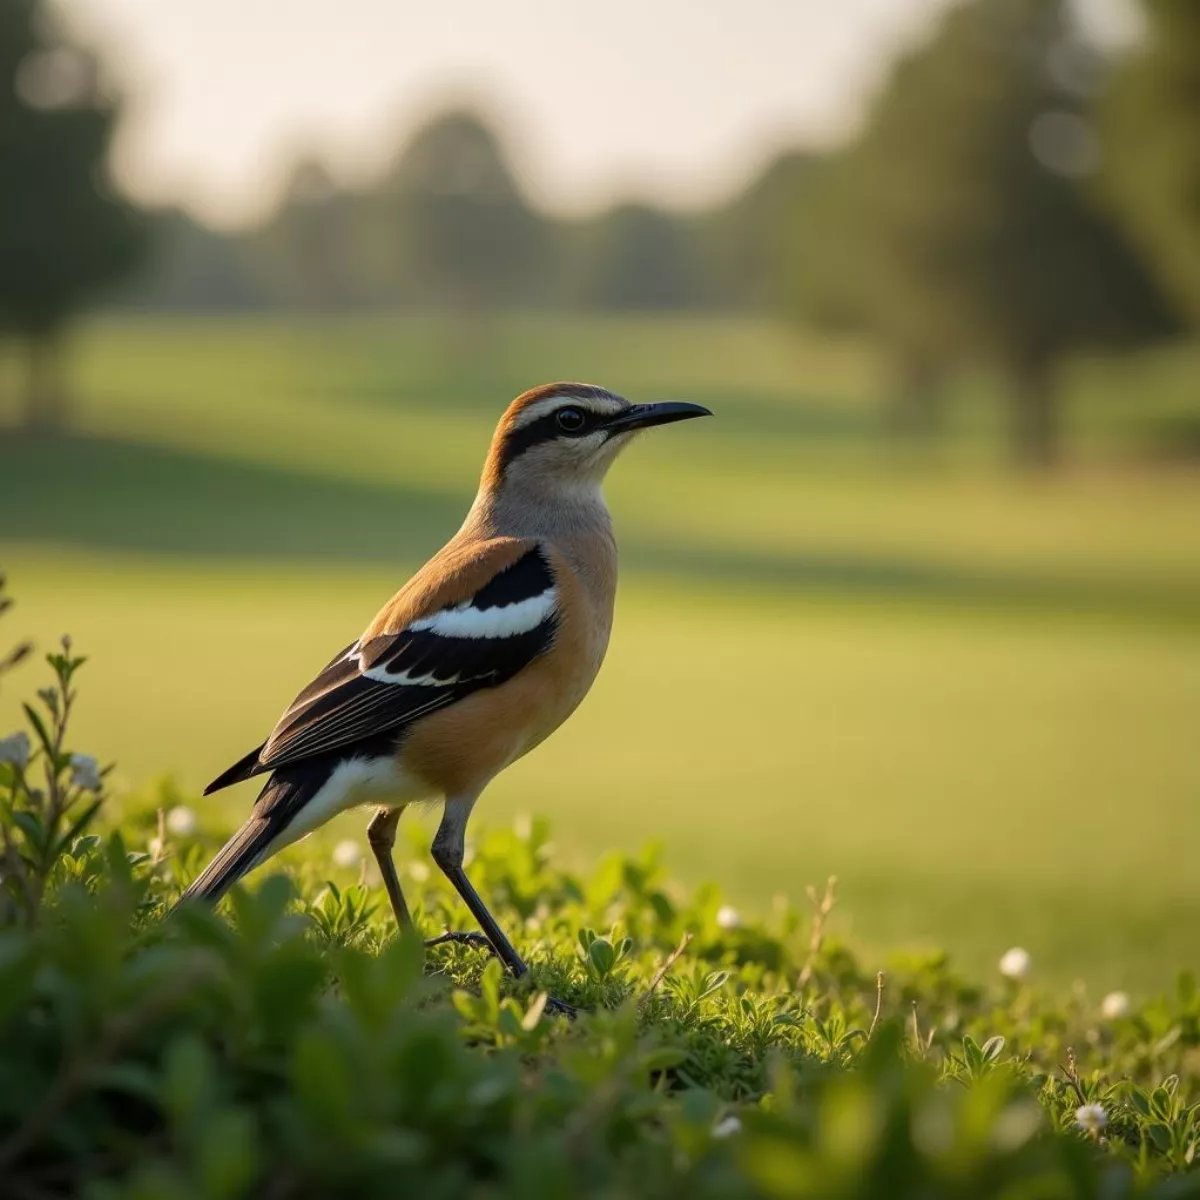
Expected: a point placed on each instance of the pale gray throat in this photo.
(539, 512)
(578, 526)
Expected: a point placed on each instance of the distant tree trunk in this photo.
(45, 391)
(1036, 426)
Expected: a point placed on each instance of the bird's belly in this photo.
(546, 720)
(460, 749)
(355, 782)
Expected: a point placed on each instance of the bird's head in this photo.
(563, 437)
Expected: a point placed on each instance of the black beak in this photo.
(642, 416)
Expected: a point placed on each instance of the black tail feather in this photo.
(242, 769)
(286, 793)
(235, 858)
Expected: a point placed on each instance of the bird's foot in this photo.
(480, 942)
(562, 1008)
(470, 938)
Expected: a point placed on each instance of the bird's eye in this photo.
(571, 420)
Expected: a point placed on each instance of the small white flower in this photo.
(85, 772)
(1091, 1117)
(1114, 1005)
(15, 749)
(728, 917)
(181, 821)
(727, 1127)
(1015, 963)
(347, 854)
(419, 871)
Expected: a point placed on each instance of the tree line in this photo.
(1015, 196)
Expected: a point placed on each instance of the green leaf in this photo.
(533, 1014)
(602, 957)
(227, 1154)
(323, 1084)
(32, 826)
(508, 1020)
(972, 1055)
(43, 734)
(188, 1080)
(662, 1058)
(992, 1048)
(79, 825)
(489, 987)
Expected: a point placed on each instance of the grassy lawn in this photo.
(972, 697)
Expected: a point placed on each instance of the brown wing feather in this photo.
(342, 706)
(453, 575)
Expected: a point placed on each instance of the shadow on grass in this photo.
(112, 494)
(901, 578)
(120, 495)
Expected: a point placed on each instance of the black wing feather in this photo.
(342, 706)
(353, 707)
(242, 769)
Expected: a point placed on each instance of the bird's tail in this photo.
(281, 800)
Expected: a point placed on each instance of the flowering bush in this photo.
(293, 1046)
(49, 796)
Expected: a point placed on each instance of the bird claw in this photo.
(470, 938)
(562, 1008)
(474, 938)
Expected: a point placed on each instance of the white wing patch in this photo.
(404, 678)
(465, 621)
(503, 621)
(381, 675)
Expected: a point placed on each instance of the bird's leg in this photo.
(381, 833)
(449, 847)
(448, 851)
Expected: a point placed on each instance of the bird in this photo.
(474, 662)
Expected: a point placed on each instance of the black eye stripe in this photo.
(545, 429)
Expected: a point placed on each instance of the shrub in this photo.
(293, 1047)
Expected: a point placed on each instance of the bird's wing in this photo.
(471, 619)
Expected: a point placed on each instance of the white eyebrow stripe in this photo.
(533, 412)
(539, 409)
(507, 620)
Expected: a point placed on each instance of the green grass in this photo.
(292, 1045)
(972, 697)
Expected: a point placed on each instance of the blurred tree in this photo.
(302, 257)
(64, 234)
(964, 223)
(1152, 119)
(747, 238)
(633, 256)
(448, 228)
(194, 268)
(463, 237)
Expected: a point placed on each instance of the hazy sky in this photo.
(673, 99)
